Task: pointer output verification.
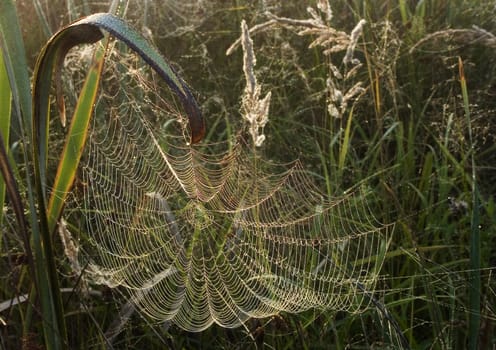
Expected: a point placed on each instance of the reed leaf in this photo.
(16, 67)
(5, 109)
(89, 30)
(346, 143)
(475, 245)
(14, 57)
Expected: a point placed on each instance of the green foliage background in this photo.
(409, 135)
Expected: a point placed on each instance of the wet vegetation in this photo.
(409, 112)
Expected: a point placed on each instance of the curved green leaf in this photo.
(118, 28)
(89, 30)
(16, 68)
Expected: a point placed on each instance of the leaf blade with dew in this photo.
(50, 56)
(121, 30)
(16, 67)
(89, 30)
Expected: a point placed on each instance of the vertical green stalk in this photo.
(78, 131)
(42, 18)
(5, 99)
(475, 260)
(345, 145)
(71, 10)
(14, 57)
(16, 66)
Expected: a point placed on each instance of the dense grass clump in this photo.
(408, 114)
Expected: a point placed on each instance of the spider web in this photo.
(211, 233)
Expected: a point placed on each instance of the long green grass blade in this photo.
(51, 56)
(88, 30)
(475, 248)
(346, 142)
(405, 13)
(16, 65)
(12, 189)
(76, 140)
(42, 17)
(5, 104)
